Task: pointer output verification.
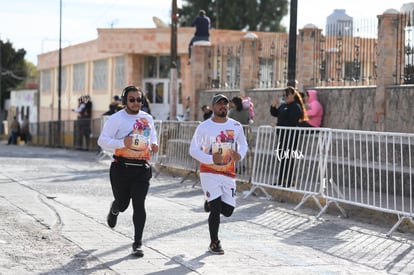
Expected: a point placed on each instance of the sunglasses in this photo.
(133, 99)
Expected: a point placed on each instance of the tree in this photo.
(13, 69)
(248, 15)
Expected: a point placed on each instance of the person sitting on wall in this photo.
(202, 33)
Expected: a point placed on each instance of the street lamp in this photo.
(292, 43)
(173, 67)
(60, 73)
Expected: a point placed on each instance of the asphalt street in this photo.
(54, 202)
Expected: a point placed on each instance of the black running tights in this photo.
(217, 207)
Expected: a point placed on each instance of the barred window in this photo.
(100, 75)
(119, 72)
(266, 72)
(79, 77)
(159, 67)
(46, 81)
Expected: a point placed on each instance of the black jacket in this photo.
(287, 114)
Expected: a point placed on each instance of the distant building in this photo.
(24, 102)
(408, 9)
(339, 24)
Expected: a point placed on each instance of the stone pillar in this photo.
(388, 50)
(201, 62)
(308, 57)
(248, 63)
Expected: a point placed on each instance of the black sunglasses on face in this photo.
(133, 99)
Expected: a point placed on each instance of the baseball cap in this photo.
(219, 97)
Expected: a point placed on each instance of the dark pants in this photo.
(13, 137)
(83, 130)
(217, 207)
(287, 145)
(131, 182)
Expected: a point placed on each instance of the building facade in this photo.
(101, 68)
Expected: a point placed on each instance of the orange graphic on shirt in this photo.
(223, 144)
(140, 146)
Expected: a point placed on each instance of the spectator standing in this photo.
(217, 144)
(314, 109)
(14, 131)
(238, 112)
(202, 32)
(130, 133)
(289, 113)
(83, 124)
(186, 115)
(207, 112)
(114, 106)
(146, 105)
(25, 130)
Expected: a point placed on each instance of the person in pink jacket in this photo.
(314, 109)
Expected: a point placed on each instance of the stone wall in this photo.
(344, 107)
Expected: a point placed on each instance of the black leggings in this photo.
(131, 183)
(217, 207)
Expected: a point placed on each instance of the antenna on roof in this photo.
(113, 23)
(159, 23)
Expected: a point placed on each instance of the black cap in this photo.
(219, 97)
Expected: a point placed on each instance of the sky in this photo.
(34, 25)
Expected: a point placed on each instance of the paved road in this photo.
(54, 202)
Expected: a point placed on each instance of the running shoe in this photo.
(215, 248)
(137, 250)
(112, 217)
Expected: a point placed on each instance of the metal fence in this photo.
(366, 169)
(331, 166)
(70, 134)
(343, 55)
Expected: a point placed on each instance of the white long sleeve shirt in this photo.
(211, 137)
(120, 125)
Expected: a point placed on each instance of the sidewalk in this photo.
(54, 203)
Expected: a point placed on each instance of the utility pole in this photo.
(217, 14)
(292, 43)
(59, 128)
(173, 67)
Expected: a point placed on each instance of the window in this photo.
(79, 77)
(159, 67)
(46, 80)
(100, 74)
(119, 72)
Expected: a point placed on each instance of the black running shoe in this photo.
(112, 217)
(215, 248)
(137, 250)
(206, 206)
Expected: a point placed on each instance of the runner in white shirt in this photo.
(217, 144)
(131, 135)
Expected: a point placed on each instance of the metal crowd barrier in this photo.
(290, 159)
(372, 170)
(103, 154)
(244, 167)
(366, 169)
(175, 144)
